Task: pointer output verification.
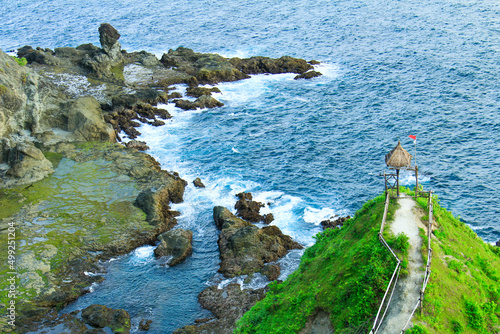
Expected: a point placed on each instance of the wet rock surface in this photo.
(249, 209)
(334, 223)
(102, 230)
(245, 248)
(198, 184)
(308, 75)
(227, 304)
(176, 245)
(100, 316)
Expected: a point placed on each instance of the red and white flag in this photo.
(413, 137)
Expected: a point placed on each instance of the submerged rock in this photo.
(100, 316)
(144, 325)
(176, 244)
(245, 248)
(308, 75)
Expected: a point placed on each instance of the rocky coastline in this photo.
(78, 197)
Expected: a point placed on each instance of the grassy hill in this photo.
(346, 273)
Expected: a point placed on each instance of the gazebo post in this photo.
(397, 181)
(385, 181)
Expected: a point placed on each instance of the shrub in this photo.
(20, 61)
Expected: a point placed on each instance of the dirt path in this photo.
(408, 289)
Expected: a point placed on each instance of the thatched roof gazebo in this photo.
(398, 158)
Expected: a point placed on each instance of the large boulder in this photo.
(100, 316)
(108, 36)
(175, 244)
(245, 248)
(86, 122)
(28, 162)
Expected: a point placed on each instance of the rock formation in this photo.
(227, 305)
(249, 209)
(333, 223)
(245, 248)
(198, 184)
(175, 245)
(100, 316)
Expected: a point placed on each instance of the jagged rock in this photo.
(138, 145)
(200, 91)
(86, 122)
(268, 218)
(197, 183)
(108, 36)
(175, 244)
(314, 62)
(144, 325)
(205, 68)
(227, 304)
(154, 201)
(244, 248)
(41, 57)
(204, 101)
(100, 316)
(271, 271)
(308, 75)
(258, 65)
(247, 208)
(339, 222)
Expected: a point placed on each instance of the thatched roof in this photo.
(398, 157)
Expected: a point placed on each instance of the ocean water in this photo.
(308, 149)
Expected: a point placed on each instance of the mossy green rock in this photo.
(100, 316)
(82, 213)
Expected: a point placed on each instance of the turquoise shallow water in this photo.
(310, 148)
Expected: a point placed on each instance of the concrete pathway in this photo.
(408, 289)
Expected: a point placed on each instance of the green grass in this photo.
(345, 274)
(463, 294)
(20, 61)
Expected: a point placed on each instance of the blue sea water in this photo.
(311, 149)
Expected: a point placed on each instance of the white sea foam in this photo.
(142, 255)
(316, 216)
(328, 70)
